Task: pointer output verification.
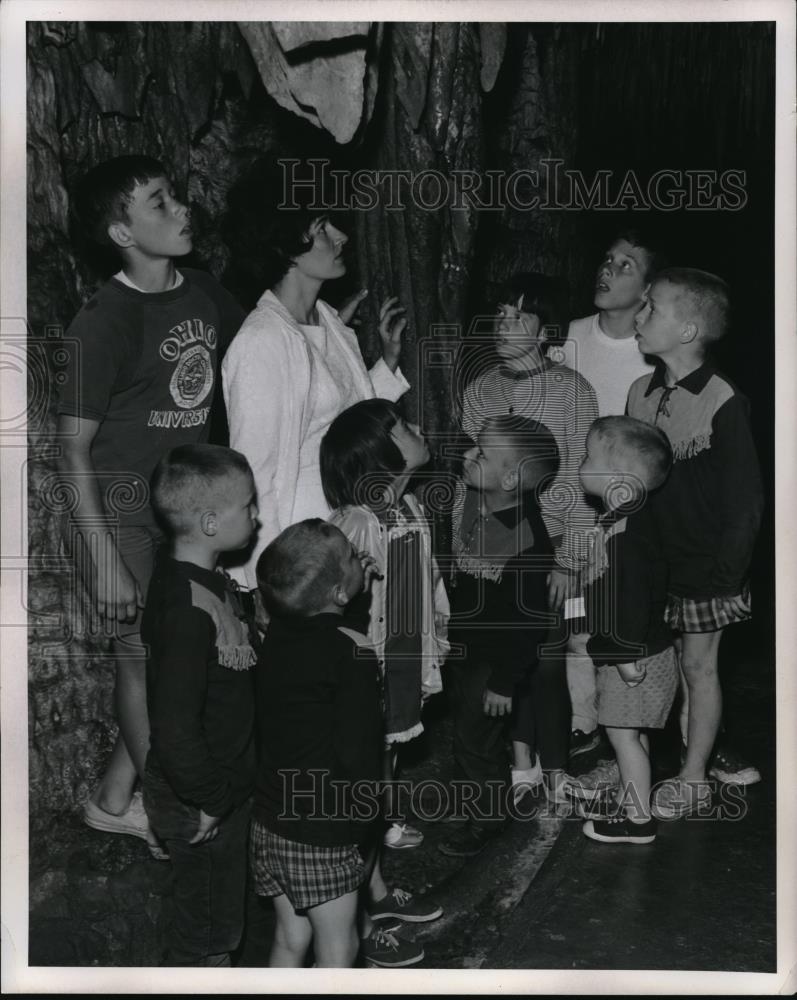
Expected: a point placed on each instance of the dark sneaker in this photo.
(402, 905)
(581, 742)
(731, 769)
(620, 830)
(601, 804)
(389, 951)
(466, 842)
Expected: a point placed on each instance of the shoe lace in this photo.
(401, 896)
(384, 939)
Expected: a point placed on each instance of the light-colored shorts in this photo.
(644, 706)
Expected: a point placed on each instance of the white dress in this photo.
(284, 383)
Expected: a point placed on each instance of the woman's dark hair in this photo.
(359, 458)
(270, 211)
(542, 295)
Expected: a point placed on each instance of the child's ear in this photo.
(120, 235)
(339, 595)
(208, 523)
(689, 333)
(509, 481)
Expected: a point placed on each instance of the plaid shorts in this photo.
(306, 873)
(683, 614)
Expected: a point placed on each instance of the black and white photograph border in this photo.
(772, 371)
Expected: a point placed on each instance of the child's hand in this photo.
(735, 606)
(392, 324)
(632, 673)
(561, 585)
(496, 704)
(351, 305)
(208, 828)
(117, 594)
(370, 569)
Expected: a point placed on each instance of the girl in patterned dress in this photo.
(368, 457)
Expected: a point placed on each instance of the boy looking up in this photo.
(502, 556)
(141, 382)
(602, 349)
(625, 594)
(316, 829)
(710, 508)
(200, 768)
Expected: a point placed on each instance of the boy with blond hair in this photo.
(202, 650)
(709, 510)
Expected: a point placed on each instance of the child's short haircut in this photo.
(103, 194)
(270, 211)
(359, 458)
(655, 258)
(190, 479)
(543, 296)
(637, 447)
(297, 571)
(532, 446)
(704, 299)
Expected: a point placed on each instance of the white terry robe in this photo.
(284, 383)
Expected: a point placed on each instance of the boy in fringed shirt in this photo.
(709, 510)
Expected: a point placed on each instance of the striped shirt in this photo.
(565, 403)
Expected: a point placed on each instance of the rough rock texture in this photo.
(191, 94)
(316, 70)
(535, 122)
(180, 92)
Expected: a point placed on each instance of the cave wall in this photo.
(179, 91)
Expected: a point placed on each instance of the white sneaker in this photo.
(526, 779)
(400, 836)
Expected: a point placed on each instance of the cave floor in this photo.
(540, 896)
(543, 896)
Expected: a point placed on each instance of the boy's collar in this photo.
(695, 382)
(516, 512)
(518, 374)
(212, 579)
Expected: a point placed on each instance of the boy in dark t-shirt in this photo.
(140, 381)
(202, 651)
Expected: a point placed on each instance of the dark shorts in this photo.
(137, 545)
(306, 873)
(644, 706)
(683, 614)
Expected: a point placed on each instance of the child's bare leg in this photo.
(683, 718)
(376, 884)
(130, 751)
(131, 706)
(631, 748)
(335, 939)
(521, 756)
(389, 759)
(291, 938)
(699, 656)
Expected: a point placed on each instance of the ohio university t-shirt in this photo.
(143, 364)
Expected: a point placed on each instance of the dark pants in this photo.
(541, 708)
(479, 747)
(209, 879)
